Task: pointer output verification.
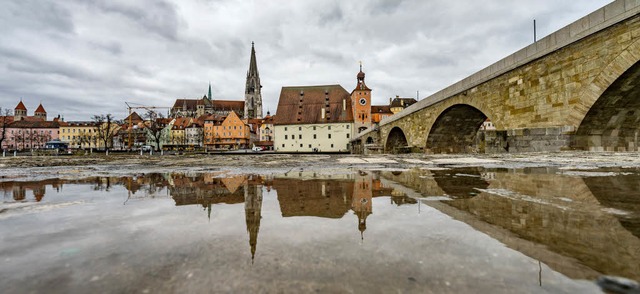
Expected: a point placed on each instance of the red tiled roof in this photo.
(380, 109)
(40, 109)
(6, 119)
(190, 103)
(294, 110)
(20, 106)
(268, 119)
(35, 124)
(228, 105)
(135, 118)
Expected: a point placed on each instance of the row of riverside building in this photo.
(322, 118)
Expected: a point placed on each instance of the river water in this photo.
(368, 231)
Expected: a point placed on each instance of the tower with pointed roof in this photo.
(40, 112)
(361, 100)
(209, 94)
(253, 89)
(20, 112)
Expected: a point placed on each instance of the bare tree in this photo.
(5, 119)
(155, 127)
(106, 127)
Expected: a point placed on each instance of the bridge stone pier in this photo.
(578, 88)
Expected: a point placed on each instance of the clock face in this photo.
(363, 101)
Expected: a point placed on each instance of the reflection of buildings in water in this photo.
(319, 197)
(207, 190)
(332, 196)
(18, 190)
(210, 189)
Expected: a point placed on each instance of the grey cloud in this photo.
(114, 48)
(159, 17)
(36, 15)
(331, 16)
(22, 61)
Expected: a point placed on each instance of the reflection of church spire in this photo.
(252, 210)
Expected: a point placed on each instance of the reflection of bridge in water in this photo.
(572, 224)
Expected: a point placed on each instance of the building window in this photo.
(300, 145)
(329, 128)
(285, 137)
(285, 128)
(300, 136)
(347, 136)
(282, 145)
(347, 127)
(299, 128)
(329, 136)
(331, 145)
(314, 136)
(314, 128)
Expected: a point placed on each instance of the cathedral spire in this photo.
(252, 93)
(253, 65)
(209, 94)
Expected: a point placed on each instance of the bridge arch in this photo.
(612, 122)
(455, 129)
(396, 141)
(369, 140)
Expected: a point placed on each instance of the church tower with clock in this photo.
(361, 100)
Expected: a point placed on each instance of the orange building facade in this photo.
(226, 133)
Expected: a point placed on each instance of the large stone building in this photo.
(313, 119)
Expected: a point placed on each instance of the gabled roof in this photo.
(40, 109)
(21, 106)
(303, 105)
(135, 118)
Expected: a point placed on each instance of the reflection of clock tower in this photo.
(362, 197)
(361, 99)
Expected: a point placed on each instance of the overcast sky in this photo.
(81, 58)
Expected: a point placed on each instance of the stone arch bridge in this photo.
(578, 88)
